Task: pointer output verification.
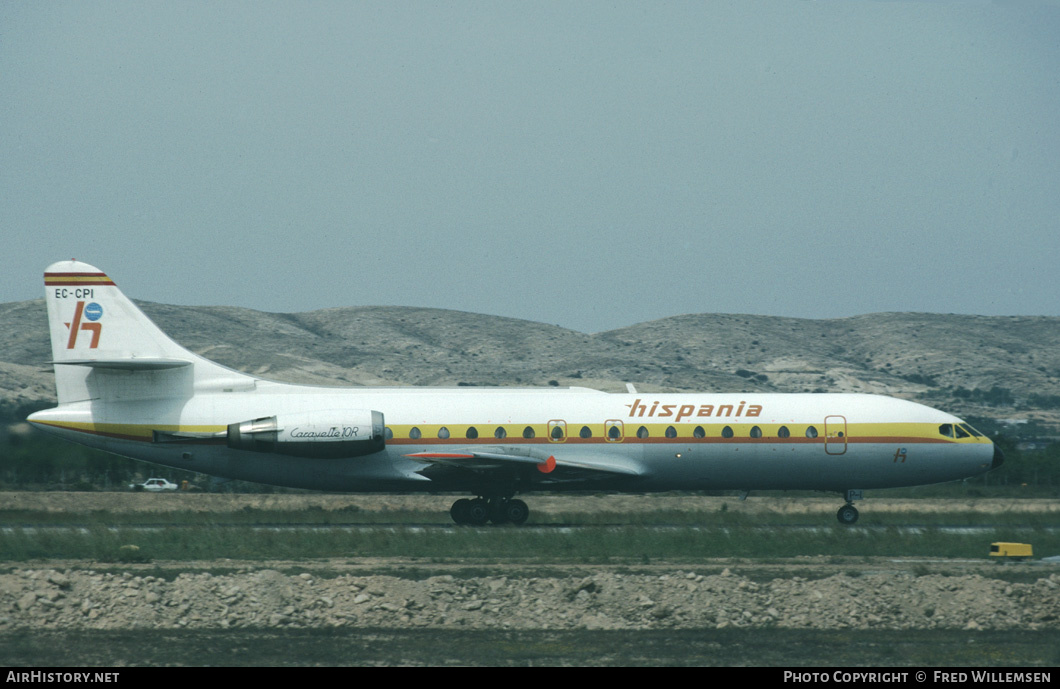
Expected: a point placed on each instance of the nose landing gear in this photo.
(848, 514)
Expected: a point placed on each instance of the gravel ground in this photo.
(803, 593)
(263, 596)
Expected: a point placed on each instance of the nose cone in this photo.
(999, 457)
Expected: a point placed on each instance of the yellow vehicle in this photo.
(1019, 551)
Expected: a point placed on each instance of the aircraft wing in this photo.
(566, 466)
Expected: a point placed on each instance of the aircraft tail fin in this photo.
(105, 347)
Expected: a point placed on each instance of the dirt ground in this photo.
(811, 610)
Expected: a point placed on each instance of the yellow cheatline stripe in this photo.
(129, 431)
(856, 432)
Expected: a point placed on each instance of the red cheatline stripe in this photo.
(632, 439)
(440, 455)
(77, 279)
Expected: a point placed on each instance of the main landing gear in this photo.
(848, 514)
(481, 510)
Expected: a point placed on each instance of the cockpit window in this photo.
(946, 429)
(971, 430)
(961, 433)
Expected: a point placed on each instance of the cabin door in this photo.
(835, 435)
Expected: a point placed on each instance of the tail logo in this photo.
(93, 312)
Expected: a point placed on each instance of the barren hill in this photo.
(988, 365)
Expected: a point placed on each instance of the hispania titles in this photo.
(684, 411)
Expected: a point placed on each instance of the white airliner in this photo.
(125, 387)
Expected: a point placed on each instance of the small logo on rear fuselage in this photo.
(93, 311)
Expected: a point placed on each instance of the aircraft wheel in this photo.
(499, 511)
(478, 512)
(460, 510)
(847, 515)
(516, 511)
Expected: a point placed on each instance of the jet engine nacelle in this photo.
(329, 434)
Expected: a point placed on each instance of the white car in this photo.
(155, 485)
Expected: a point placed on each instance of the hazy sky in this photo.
(588, 164)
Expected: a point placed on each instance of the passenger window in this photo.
(946, 429)
(500, 433)
(414, 433)
(642, 432)
(585, 432)
(614, 433)
(472, 433)
(756, 432)
(671, 432)
(528, 432)
(699, 432)
(783, 432)
(727, 432)
(811, 432)
(557, 433)
(443, 433)
(388, 434)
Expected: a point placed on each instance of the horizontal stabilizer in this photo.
(134, 364)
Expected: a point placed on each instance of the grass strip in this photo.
(616, 545)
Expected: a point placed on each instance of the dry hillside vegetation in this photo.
(940, 358)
